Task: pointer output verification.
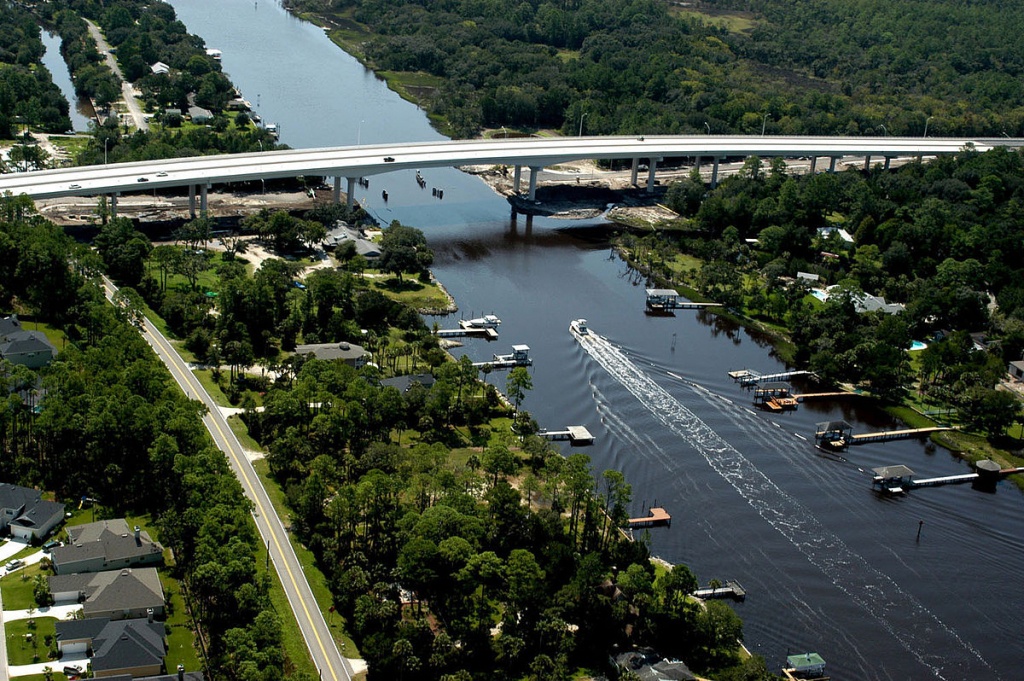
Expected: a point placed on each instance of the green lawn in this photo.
(22, 650)
(242, 433)
(181, 643)
(411, 292)
(206, 378)
(17, 588)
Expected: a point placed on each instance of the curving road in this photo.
(329, 661)
(363, 161)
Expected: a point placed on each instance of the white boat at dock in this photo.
(488, 321)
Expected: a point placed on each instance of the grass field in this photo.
(17, 588)
(23, 650)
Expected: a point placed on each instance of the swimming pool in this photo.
(918, 345)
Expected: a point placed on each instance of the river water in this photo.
(53, 61)
(828, 565)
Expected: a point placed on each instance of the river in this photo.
(828, 566)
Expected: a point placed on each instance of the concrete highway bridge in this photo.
(535, 153)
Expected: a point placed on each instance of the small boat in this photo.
(488, 321)
(578, 327)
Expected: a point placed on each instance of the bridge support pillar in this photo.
(652, 165)
(534, 170)
(350, 192)
(635, 170)
(337, 189)
(814, 164)
(202, 199)
(832, 164)
(113, 205)
(714, 173)
(867, 163)
(517, 178)
(887, 160)
(192, 202)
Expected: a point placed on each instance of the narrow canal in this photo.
(828, 565)
(53, 61)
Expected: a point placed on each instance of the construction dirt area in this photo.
(577, 190)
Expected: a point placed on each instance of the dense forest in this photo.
(649, 66)
(28, 95)
(106, 421)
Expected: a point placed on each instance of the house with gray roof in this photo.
(21, 346)
(403, 383)
(180, 675)
(349, 353)
(120, 594)
(119, 647)
(105, 545)
(25, 514)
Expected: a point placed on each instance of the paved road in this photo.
(332, 666)
(127, 93)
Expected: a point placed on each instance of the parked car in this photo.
(50, 545)
(14, 564)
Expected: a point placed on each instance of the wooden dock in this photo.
(731, 589)
(819, 396)
(576, 435)
(488, 333)
(747, 377)
(658, 516)
(886, 435)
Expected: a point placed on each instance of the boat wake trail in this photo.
(919, 631)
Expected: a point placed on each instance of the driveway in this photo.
(60, 612)
(77, 659)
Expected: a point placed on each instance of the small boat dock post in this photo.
(656, 518)
(520, 357)
(731, 589)
(664, 300)
(576, 435)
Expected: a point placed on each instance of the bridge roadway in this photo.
(534, 152)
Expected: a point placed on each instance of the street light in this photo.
(359, 133)
(707, 126)
(884, 129)
(581, 123)
(926, 125)
(105, 140)
(764, 122)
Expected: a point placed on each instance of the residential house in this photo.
(159, 68)
(25, 514)
(119, 647)
(1016, 370)
(105, 545)
(180, 675)
(21, 346)
(344, 233)
(118, 594)
(403, 383)
(647, 665)
(349, 353)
